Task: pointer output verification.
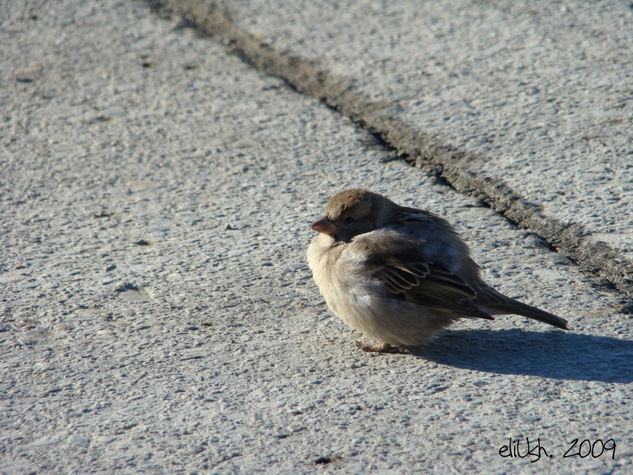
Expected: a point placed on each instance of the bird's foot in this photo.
(381, 348)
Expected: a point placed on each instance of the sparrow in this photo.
(399, 275)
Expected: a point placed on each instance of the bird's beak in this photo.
(324, 226)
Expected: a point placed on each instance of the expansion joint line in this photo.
(420, 149)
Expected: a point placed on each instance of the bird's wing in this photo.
(398, 262)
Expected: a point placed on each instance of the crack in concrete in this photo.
(420, 149)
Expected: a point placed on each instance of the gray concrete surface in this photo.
(157, 312)
(542, 90)
(527, 108)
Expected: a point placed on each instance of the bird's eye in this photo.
(348, 220)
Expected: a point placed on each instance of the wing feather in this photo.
(396, 260)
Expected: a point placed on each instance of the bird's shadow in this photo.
(555, 354)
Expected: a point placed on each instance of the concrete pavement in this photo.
(157, 313)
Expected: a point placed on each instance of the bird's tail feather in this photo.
(496, 302)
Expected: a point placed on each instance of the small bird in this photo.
(398, 275)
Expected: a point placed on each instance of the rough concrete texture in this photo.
(157, 312)
(457, 85)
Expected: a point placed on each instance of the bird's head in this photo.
(353, 212)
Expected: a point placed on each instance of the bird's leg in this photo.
(380, 348)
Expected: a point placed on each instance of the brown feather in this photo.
(496, 302)
(407, 275)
